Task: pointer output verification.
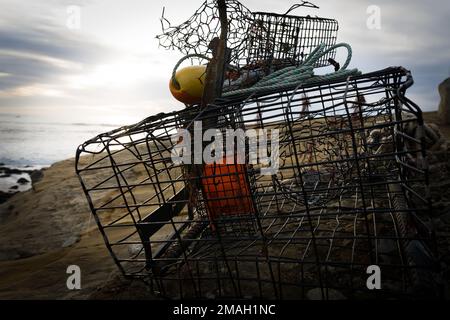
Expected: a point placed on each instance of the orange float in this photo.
(226, 189)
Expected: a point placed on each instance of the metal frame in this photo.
(280, 40)
(343, 198)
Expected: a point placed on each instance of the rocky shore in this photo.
(17, 180)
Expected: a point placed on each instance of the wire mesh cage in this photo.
(255, 39)
(194, 36)
(348, 191)
(281, 40)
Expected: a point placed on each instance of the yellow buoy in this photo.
(189, 84)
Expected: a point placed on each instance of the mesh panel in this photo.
(347, 193)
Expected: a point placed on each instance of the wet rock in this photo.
(36, 175)
(5, 214)
(316, 294)
(14, 254)
(9, 255)
(5, 196)
(22, 181)
(10, 171)
(70, 241)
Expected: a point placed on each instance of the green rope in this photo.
(289, 77)
(299, 75)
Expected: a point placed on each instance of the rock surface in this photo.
(22, 181)
(5, 196)
(36, 175)
(444, 106)
(42, 232)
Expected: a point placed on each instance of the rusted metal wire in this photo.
(280, 40)
(256, 39)
(344, 197)
(195, 34)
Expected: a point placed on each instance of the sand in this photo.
(48, 228)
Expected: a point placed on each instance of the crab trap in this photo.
(281, 40)
(341, 187)
(257, 40)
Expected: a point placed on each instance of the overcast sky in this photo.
(111, 69)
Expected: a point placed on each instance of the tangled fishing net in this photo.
(194, 35)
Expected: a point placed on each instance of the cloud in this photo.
(37, 50)
(59, 43)
(115, 60)
(413, 34)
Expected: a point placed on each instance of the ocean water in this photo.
(29, 142)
